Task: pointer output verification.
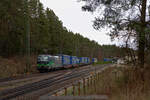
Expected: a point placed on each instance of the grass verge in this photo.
(102, 62)
(122, 83)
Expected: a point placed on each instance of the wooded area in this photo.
(46, 32)
(27, 29)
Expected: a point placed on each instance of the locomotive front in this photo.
(44, 63)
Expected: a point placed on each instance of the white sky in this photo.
(74, 19)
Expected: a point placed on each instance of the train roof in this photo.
(45, 55)
(62, 55)
(56, 56)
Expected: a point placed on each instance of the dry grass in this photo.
(123, 83)
(15, 66)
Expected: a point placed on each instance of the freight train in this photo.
(48, 62)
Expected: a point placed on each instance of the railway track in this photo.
(49, 82)
(4, 81)
(8, 79)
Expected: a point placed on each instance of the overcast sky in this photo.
(74, 19)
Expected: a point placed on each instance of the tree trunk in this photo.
(142, 35)
(141, 50)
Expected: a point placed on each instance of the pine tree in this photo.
(125, 18)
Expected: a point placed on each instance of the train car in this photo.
(74, 61)
(78, 61)
(65, 60)
(107, 59)
(84, 60)
(94, 60)
(81, 60)
(87, 60)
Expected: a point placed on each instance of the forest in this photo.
(27, 29)
(47, 33)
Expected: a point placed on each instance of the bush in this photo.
(15, 66)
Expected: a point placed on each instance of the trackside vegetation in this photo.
(115, 82)
(102, 62)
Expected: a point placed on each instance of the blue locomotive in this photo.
(49, 62)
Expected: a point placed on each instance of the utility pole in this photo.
(27, 32)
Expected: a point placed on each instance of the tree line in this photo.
(46, 33)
